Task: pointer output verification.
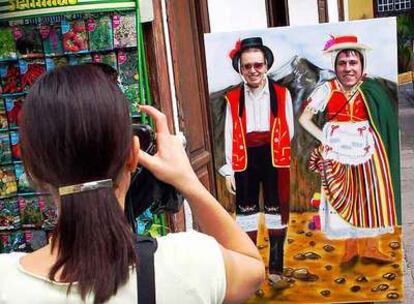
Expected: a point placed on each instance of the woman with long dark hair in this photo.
(77, 144)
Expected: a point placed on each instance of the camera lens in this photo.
(146, 137)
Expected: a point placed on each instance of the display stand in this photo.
(37, 36)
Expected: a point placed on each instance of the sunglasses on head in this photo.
(255, 65)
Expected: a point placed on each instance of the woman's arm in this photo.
(289, 114)
(307, 123)
(244, 266)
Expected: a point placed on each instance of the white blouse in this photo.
(189, 268)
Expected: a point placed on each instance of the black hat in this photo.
(247, 43)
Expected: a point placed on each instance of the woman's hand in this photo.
(170, 164)
(244, 266)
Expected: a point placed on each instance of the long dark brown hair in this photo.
(75, 128)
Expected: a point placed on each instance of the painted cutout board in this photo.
(306, 149)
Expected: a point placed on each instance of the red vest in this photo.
(280, 139)
(339, 108)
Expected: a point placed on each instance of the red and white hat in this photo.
(338, 43)
(343, 42)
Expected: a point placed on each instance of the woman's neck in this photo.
(40, 261)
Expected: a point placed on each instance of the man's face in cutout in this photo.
(348, 68)
(253, 67)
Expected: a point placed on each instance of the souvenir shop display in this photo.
(7, 44)
(10, 77)
(31, 45)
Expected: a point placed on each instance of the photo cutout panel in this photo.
(305, 141)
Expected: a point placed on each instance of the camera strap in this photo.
(145, 248)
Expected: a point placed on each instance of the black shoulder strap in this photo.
(241, 100)
(273, 97)
(145, 248)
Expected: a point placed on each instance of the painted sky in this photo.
(307, 42)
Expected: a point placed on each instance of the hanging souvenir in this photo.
(7, 44)
(100, 32)
(75, 37)
(51, 35)
(9, 214)
(28, 41)
(10, 77)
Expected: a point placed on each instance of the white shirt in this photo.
(189, 268)
(257, 106)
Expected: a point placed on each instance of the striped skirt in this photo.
(361, 194)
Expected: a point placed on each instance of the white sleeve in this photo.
(12, 279)
(318, 98)
(192, 265)
(289, 114)
(227, 169)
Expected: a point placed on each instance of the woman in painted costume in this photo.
(358, 153)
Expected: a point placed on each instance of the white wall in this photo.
(346, 10)
(303, 12)
(236, 15)
(333, 11)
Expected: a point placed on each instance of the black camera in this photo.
(145, 190)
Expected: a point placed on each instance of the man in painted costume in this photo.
(258, 130)
(358, 159)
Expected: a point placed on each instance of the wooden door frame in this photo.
(323, 11)
(158, 64)
(157, 59)
(155, 45)
(200, 11)
(341, 11)
(272, 20)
